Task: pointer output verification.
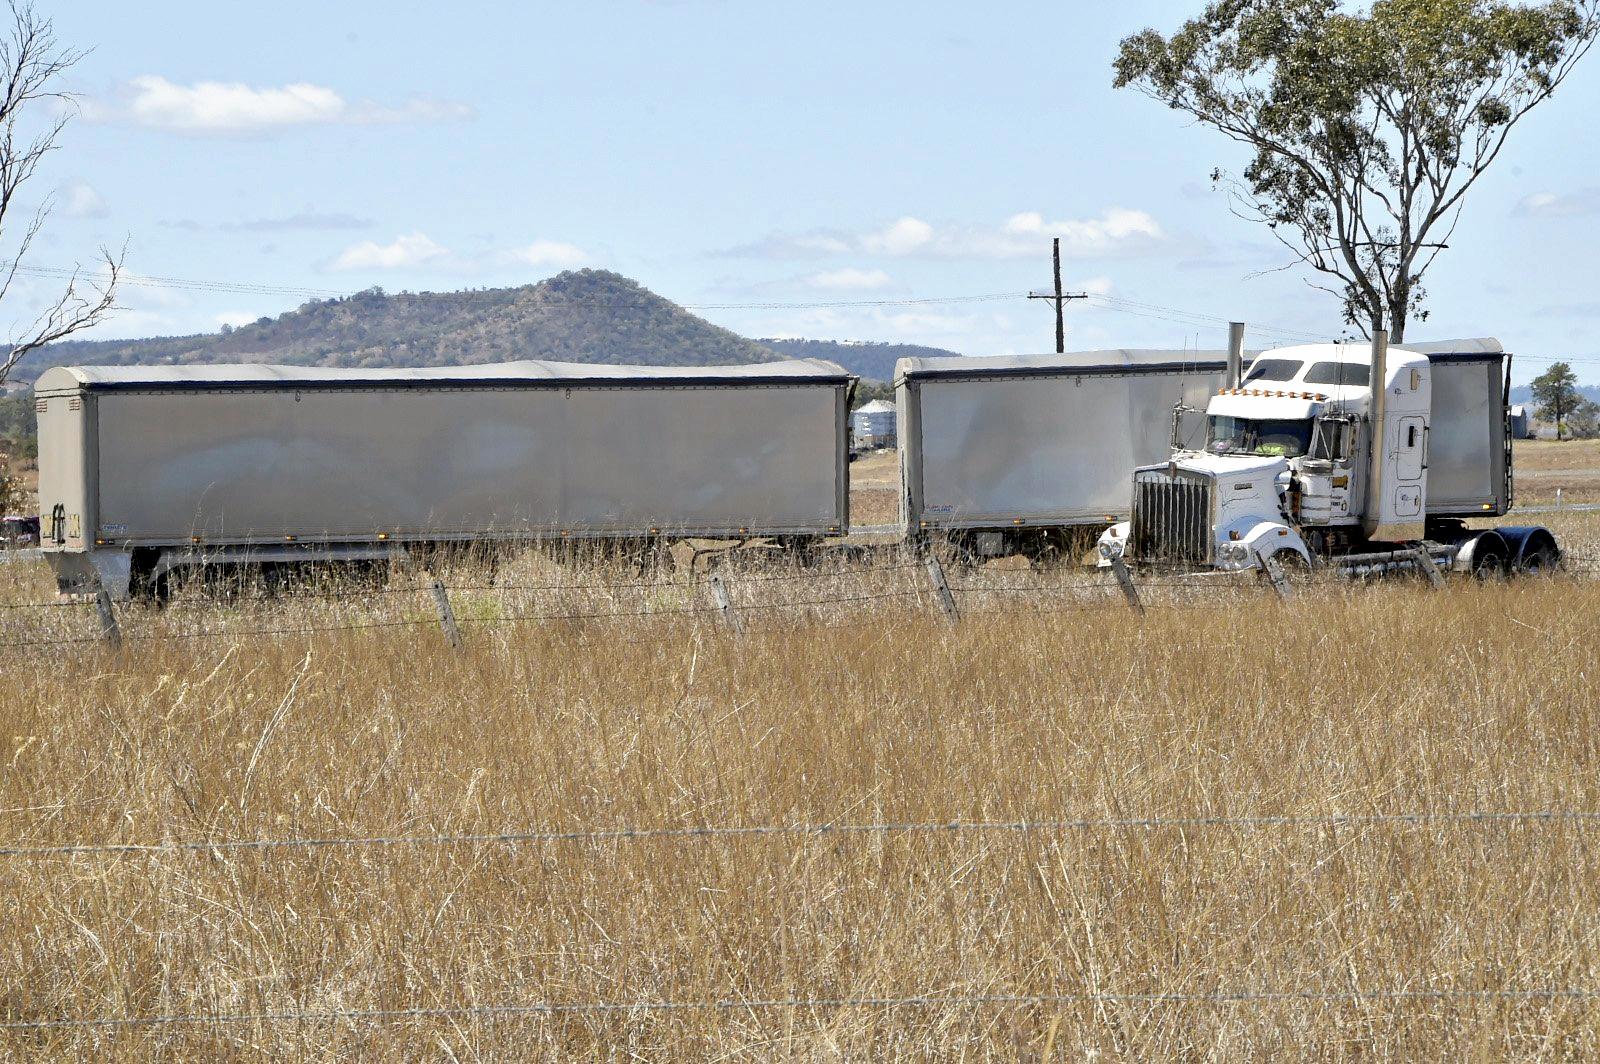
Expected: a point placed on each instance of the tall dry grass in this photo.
(1365, 700)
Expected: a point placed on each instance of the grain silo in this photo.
(872, 425)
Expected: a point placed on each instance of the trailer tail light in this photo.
(383, 536)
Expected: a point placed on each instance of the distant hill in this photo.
(577, 316)
(874, 361)
(1522, 393)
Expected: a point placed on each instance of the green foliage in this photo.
(868, 390)
(18, 429)
(1555, 391)
(1366, 126)
(578, 316)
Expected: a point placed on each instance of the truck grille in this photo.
(1171, 517)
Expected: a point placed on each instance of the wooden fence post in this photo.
(447, 616)
(941, 589)
(1125, 578)
(1274, 571)
(108, 619)
(1429, 567)
(719, 591)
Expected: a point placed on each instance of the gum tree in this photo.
(1367, 125)
(32, 64)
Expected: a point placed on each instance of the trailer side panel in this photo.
(350, 464)
(1049, 448)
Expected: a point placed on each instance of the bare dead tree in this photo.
(32, 63)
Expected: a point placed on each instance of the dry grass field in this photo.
(1542, 466)
(875, 489)
(1141, 912)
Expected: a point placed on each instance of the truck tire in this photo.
(1541, 559)
(1489, 561)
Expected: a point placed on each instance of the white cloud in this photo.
(548, 253)
(82, 201)
(1559, 205)
(1096, 286)
(1108, 234)
(899, 238)
(849, 279)
(413, 249)
(1116, 232)
(235, 318)
(234, 107)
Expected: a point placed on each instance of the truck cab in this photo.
(1300, 459)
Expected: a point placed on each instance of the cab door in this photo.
(1412, 443)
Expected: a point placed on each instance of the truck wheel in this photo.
(1295, 569)
(1489, 563)
(1540, 560)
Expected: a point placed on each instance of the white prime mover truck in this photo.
(1306, 462)
(1006, 455)
(144, 470)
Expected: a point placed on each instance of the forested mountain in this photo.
(874, 361)
(577, 316)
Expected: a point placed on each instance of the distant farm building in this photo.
(872, 425)
(1521, 423)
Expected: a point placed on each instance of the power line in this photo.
(255, 288)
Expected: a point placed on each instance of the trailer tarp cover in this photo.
(508, 373)
(1071, 362)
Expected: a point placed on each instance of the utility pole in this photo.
(1059, 299)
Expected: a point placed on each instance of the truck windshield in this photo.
(1243, 435)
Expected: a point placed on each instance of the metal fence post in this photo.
(447, 616)
(1274, 571)
(108, 619)
(1125, 578)
(1429, 567)
(941, 589)
(719, 591)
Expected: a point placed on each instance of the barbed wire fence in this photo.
(729, 598)
(724, 595)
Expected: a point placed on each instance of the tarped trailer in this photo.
(147, 466)
(994, 447)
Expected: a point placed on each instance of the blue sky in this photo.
(739, 154)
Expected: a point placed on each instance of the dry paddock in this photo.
(1362, 823)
